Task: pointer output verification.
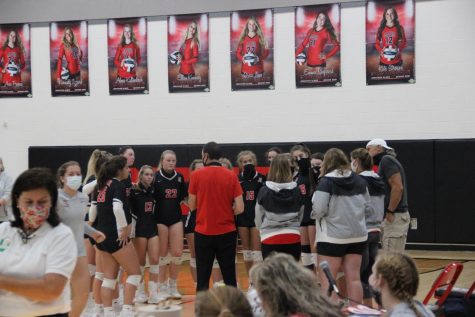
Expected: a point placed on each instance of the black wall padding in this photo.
(455, 191)
(440, 176)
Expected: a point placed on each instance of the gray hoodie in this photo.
(279, 209)
(340, 206)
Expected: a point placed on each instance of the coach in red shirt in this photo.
(216, 194)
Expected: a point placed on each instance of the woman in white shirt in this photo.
(37, 252)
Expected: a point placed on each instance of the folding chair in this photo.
(446, 280)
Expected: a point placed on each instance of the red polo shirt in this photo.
(215, 188)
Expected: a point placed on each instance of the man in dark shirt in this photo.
(396, 218)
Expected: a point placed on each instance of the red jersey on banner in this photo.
(251, 45)
(190, 56)
(73, 60)
(390, 45)
(316, 41)
(125, 53)
(13, 63)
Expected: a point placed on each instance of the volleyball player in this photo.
(170, 191)
(251, 182)
(142, 203)
(107, 205)
(12, 53)
(127, 50)
(252, 41)
(301, 155)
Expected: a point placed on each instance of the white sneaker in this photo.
(172, 290)
(219, 284)
(117, 304)
(153, 297)
(98, 311)
(140, 297)
(126, 313)
(163, 290)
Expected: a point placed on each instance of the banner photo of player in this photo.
(317, 45)
(252, 49)
(390, 42)
(188, 55)
(15, 60)
(127, 51)
(69, 58)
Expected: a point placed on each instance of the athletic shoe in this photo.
(127, 313)
(140, 297)
(98, 311)
(219, 284)
(172, 290)
(163, 290)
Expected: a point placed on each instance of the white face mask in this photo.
(354, 166)
(74, 182)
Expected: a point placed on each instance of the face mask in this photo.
(304, 165)
(249, 171)
(74, 182)
(316, 171)
(204, 159)
(34, 216)
(354, 166)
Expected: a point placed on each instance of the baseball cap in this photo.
(375, 142)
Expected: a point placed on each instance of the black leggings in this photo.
(368, 259)
(223, 247)
(293, 249)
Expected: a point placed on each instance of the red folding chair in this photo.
(446, 280)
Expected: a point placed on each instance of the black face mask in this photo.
(204, 160)
(378, 157)
(304, 165)
(316, 171)
(249, 171)
(268, 162)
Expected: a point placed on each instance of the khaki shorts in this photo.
(394, 234)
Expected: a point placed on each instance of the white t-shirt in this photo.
(49, 250)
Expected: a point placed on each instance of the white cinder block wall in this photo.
(440, 105)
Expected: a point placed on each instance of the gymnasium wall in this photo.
(439, 180)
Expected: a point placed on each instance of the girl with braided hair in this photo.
(396, 278)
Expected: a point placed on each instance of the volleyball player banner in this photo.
(317, 45)
(127, 56)
(252, 49)
(188, 56)
(69, 58)
(390, 42)
(15, 60)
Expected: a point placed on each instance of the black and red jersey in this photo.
(303, 183)
(390, 39)
(142, 204)
(170, 191)
(250, 189)
(103, 198)
(316, 41)
(252, 45)
(73, 57)
(12, 56)
(189, 51)
(123, 52)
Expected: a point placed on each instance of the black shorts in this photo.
(146, 229)
(339, 250)
(110, 244)
(189, 222)
(246, 219)
(168, 219)
(306, 220)
(324, 64)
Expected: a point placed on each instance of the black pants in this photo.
(293, 249)
(223, 247)
(368, 259)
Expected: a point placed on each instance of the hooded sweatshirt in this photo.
(279, 210)
(376, 192)
(340, 206)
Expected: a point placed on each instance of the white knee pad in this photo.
(307, 259)
(315, 258)
(164, 260)
(109, 283)
(257, 256)
(99, 276)
(154, 269)
(133, 279)
(215, 264)
(176, 260)
(92, 269)
(193, 262)
(247, 255)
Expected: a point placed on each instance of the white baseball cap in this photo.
(381, 142)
